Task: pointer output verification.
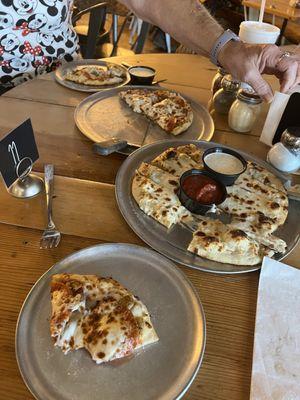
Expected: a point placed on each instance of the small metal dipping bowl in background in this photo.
(193, 205)
(141, 80)
(226, 179)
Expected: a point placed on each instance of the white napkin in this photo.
(276, 110)
(276, 355)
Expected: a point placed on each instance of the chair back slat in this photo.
(96, 25)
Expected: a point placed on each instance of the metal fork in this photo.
(51, 236)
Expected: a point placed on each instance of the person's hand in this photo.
(247, 63)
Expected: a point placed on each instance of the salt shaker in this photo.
(285, 155)
(216, 82)
(244, 111)
(225, 96)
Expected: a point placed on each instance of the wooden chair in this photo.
(92, 34)
(140, 29)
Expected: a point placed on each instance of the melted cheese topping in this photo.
(98, 314)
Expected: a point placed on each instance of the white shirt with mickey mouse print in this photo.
(35, 35)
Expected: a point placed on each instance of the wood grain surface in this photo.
(229, 304)
(280, 8)
(51, 108)
(86, 212)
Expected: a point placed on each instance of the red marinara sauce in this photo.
(202, 189)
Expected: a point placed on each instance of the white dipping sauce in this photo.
(224, 163)
(142, 72)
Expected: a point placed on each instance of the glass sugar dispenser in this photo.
(225, 96)
(285, 155)
(244, 111)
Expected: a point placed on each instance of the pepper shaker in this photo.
(225, 96)
(216, 82)
(285, 155)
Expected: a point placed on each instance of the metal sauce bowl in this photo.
(141, 80)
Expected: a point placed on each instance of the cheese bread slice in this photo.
(243, 203)
(157, 202)
(255, 232)
(175, 162)
(192, 151)
(253, 185)
(159, 176)
(219, 242)
(264, 176)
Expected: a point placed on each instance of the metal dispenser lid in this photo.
(291, 139)
(229, 84)
(222, 71)
(249, 97)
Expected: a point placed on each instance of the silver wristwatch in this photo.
(221, 41)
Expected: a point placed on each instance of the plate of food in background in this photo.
(91, 75)
(140, 115)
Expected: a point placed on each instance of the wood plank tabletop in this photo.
(86, 213)
(280, 8)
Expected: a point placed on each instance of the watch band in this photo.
(221, 41)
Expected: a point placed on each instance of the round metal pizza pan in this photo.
(160, 371)
(66, 67)
(104, 115)
(173, 245)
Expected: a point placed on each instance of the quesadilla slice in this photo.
(98, 314)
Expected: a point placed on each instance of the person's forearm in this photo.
(187, 21)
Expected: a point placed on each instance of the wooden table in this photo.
(86, 212)
(279, 8)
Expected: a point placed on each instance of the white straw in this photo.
(262, 11)
(245, 13)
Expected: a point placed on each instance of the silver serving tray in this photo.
(161, 371)
(104, 115)
(173, 243)
(66, 67)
